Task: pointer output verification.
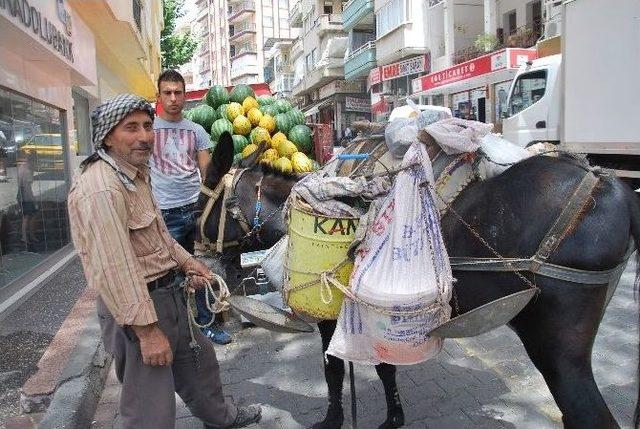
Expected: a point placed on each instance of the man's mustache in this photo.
(144, 146)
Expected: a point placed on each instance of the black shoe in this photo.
(394, 421)
(247, 415)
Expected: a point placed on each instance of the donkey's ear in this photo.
(222, 156)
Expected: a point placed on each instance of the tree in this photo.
(176, 49)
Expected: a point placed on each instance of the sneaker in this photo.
(217, 335)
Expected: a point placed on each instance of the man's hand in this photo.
(154, 345)
(199, 273)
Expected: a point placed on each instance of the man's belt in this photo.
(164, 281)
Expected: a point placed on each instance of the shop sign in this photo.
(380, 107)
(31, 18)
(340, 87)
(353, 104)
(508, 58)
(375, 77)
(421, 64)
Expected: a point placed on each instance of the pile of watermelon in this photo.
(253, 120)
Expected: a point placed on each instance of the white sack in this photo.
(455, 135)
(274, 262)
(498, 155)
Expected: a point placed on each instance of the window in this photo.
(390, 17)
(82, 123)
(284, 4)
(328, 6)
(284, 23)
(309, 64)
(510, 22)
(314, 58)
(527, 90)
(267, 21)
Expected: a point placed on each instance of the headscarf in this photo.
(104, 118)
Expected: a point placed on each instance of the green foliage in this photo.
(176, 49)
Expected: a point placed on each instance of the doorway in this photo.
(482, 113)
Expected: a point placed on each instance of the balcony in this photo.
(328, 23)
(296, 49)
(523, 37)
(241, 11)
(241, 33)
(317, 78)
(245, 50)
(360, 61)
(358, 14)
(295, 15)
(244, 70)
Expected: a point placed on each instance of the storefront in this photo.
(476, 89)
(340, 104)
(47, 62)
(390, 84)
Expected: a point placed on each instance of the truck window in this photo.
(527, 90)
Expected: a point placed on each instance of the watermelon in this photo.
(203, 115)
(222, 110)
(283, 122)
(265, 100)
(216, 96)
(283, 105)
(239, 143)
(240, 92)
(220, 126)
(269, 110)
(297, 116)
(300, 135)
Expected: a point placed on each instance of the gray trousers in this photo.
(147, 399)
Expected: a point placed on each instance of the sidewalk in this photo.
(483, 382)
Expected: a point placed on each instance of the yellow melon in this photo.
(268, 123)
(254, 116)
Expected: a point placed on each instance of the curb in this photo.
(74, 402)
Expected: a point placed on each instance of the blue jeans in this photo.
(181, 223)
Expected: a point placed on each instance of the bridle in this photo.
(230, 205)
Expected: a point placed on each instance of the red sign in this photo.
(507, 58)
(375, 76)
(406, 68)
(380, 107)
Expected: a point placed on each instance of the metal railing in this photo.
(329, 19)
(434, 2)
(367, 46)
(245, 49)
(523, 37)
(295, 10)
(240, 29)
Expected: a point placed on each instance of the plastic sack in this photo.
(455, 135)
(274, 262)
(401, 282)
(407, 121)
(498, 155)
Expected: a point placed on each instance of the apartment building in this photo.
(278, 72)
(212, 62)
(318, 57)
(58, 59)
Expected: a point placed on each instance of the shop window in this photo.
(527, 90)
(33, 183)
(82, 133)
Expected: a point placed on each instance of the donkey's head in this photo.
(264, 220)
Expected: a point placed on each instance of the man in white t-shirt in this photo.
(180, 157)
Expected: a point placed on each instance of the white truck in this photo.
(585, 98)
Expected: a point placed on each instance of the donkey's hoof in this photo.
(393, 421)
(333, 420)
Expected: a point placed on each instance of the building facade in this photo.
(213, 65)
(58, 59)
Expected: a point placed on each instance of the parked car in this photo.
(48, 150)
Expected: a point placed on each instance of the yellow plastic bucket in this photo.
(317, 244)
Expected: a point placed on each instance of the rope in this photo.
(219, 305)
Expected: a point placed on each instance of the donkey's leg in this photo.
(334, 375)
(558, 331)
(395, 415)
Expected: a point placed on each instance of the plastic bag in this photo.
(455, 135)
(498, 155)
(400, 266)
(274, 262)
(407, 121)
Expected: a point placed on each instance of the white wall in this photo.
(504, 6)
(415, 34)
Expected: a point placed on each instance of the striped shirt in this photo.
(121, 239)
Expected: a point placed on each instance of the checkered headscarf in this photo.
(104, 118)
